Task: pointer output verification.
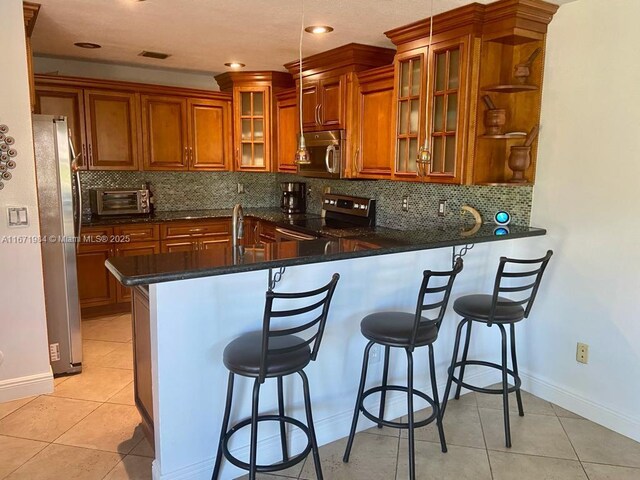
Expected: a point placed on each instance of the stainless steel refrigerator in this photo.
(60, 216)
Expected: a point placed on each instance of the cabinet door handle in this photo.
(90, 154)
(191, 154)
(317, 116)
(320, 114)
(84, 154)
(357, 162)
(186, 154)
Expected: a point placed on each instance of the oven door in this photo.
(286, 235)
(114, 202)
(326, 150)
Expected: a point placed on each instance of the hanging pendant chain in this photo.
(426, 133)
(300, 55)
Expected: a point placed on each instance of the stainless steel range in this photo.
(344, 216)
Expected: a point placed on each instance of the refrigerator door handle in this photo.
(78, 192)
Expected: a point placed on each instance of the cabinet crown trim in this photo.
(226, 81)
(356, 55)
(30, 12)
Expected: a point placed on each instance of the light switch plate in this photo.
(18, 216)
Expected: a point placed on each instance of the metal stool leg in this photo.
(505, 387)
(312, 431)
(434, 389)
(456, 346)
(410, 432)
(385, 375)
(225, 426)
(253, 455)
(514, 360)
(283, 427)
(356, 410)
(465, 351)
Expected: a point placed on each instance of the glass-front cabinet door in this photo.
(251, 124)
(446, 100)
(408, 110)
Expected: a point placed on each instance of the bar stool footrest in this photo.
(276, 466)
(493, 391)
(401, 425)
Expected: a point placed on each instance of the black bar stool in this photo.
(495, 309)
(408, 331)
(274, 353)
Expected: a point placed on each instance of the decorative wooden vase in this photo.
(494, 120)
(519, 161)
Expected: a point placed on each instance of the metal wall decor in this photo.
(7, 155)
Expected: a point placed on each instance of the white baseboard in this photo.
(598, 413)
(327, 430)
(22, 387)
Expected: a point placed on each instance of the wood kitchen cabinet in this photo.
(186, 133)
(164, 130)
(254, 112)
(68, 102)
(210, 134)
(142, 373)
(30, 14)
(476, 50)
(373, 135)
(195, 235)
(287, 131)
(96, 286)
(130, 126)
(123, 294)
(113, 137)
(323, 102)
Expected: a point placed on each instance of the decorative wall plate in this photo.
(7, 155)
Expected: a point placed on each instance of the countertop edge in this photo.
(308, 260)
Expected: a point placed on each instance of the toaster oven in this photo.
(120, 201)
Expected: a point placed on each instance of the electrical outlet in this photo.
(54, 352)
(241, 188)
(374, 355)
(405, 203)
(582, 353)
(442, 208)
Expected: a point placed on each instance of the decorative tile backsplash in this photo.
(206, 190)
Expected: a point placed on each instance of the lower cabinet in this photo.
(185, 245)
(142, 379)
(123, 294)
(96, 286)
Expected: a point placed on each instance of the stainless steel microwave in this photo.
(120, 201)
(326, 153)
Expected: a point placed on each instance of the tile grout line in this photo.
(572, 446)
(484, 438)
(27, 460)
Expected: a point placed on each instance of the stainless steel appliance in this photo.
(344, 216)
(326, 154)
(294, 197)
(120, 201)
(59, 227)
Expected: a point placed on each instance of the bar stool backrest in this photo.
(527, 288)
(318, 309)
(434, 297)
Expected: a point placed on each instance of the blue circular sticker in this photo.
(502, 218)
(498, 231)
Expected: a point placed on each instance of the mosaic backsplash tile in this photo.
(209, 190)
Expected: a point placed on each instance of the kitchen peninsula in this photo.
(188, 305)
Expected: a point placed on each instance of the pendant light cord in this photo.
(426, 133)
(300, 54)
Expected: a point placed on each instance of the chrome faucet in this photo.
(237, 225)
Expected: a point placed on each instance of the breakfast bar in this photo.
(188, 306)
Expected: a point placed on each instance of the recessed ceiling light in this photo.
(87, 45)
(234, 65)
(318, 29)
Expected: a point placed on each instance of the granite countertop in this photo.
(269, 214)
(221, 260)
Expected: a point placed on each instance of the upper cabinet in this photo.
(30, 13)
(69, 102)
(253, 119)
(287, 126)
(326, 83)
(164, 130)
(129, 126)
(112, 120)
(475, 94)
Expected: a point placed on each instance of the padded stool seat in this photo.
(243, 355)
(396, 328)
(478, 307)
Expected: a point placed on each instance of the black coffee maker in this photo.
(294, 197)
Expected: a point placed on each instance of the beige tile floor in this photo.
(90, 429)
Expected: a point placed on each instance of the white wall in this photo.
(587, 195)
(128, 73)
(23, 333)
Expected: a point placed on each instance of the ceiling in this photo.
(201, 35)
